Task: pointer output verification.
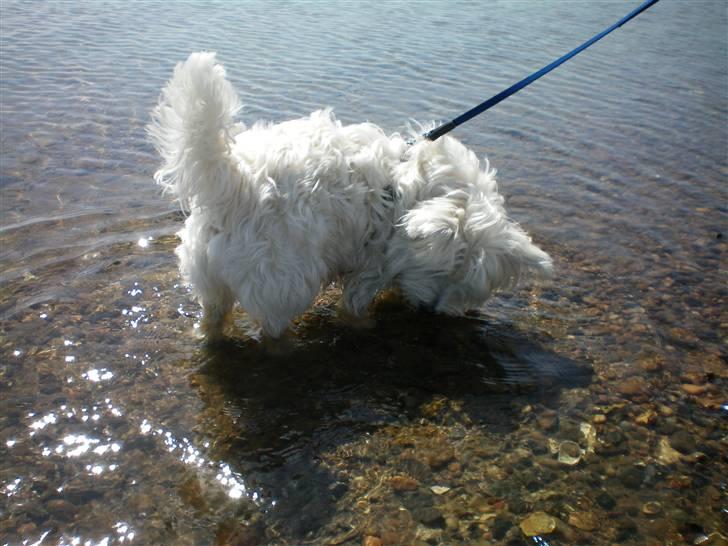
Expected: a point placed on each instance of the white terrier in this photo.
(278, 211)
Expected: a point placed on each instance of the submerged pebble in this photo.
(586, 521)
(403, 483)
(666, 454)
(651, 508)
(569, 453)
(538, 523)
(683, 441)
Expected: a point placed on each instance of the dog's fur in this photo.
(278, 211)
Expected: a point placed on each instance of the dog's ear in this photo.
(435, 228)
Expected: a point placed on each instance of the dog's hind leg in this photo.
(216, 316)
(273, 297)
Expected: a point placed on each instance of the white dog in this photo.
(278, 211)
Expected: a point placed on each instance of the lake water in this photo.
(587, 409)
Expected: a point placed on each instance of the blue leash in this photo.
(482, 107)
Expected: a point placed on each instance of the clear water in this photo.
(118, 426)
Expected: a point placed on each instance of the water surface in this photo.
(118, 426)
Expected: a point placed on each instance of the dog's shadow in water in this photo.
(275, 415)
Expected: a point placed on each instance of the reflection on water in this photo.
(586, 409)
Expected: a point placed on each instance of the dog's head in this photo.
(454, 244)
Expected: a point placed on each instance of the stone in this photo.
(500, 527)
(632, 386)
(370, 540)
(632, 477)
(439, 489)
(683, 441)
(547, 421)
(651, 508)
(452, 523)
(538, 523)
(713, 539)
(403, 483)
(606, 501)
(232, 533)
(26, 529)
(646, 418)
(709, 402)
(695, 390)
(589, 433)
(569, 453)
(586, 521)
(439, 458)
(62, 509)
(666, 454)
(599, 419)
(651, 364)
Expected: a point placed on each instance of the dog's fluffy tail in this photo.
(191, 129)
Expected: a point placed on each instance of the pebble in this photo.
(26, 529)
(651, 508)
(439, 489)
(632, 477)
(695, 390)
(500, 527)
(547, 421)
(646, 418)
(599, 419)
(683, 441)
(438, 459)
(713, 539)
(606, 501)
(709, 402)
(372, 541)
(586, 521)
(666, 454)
(632, 386)
(538, 523)
(62, 509)
(589, 433)
(403, 483)
(651, 364)
(569, 453)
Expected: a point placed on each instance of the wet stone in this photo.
(586, 521)
(606, 501)
(538, 523)
(569, 453)
(238, 534)
(62, 509)
(683, 441)
(646, 418)
(632, 387)
(403, 483)
(632, 477)
(651, 508)
(695, 390)
(547, 421)
(429, 515)
(626, 531)
(500, 527)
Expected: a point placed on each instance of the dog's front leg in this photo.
(359, 292)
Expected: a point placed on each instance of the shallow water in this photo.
(118, 426)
